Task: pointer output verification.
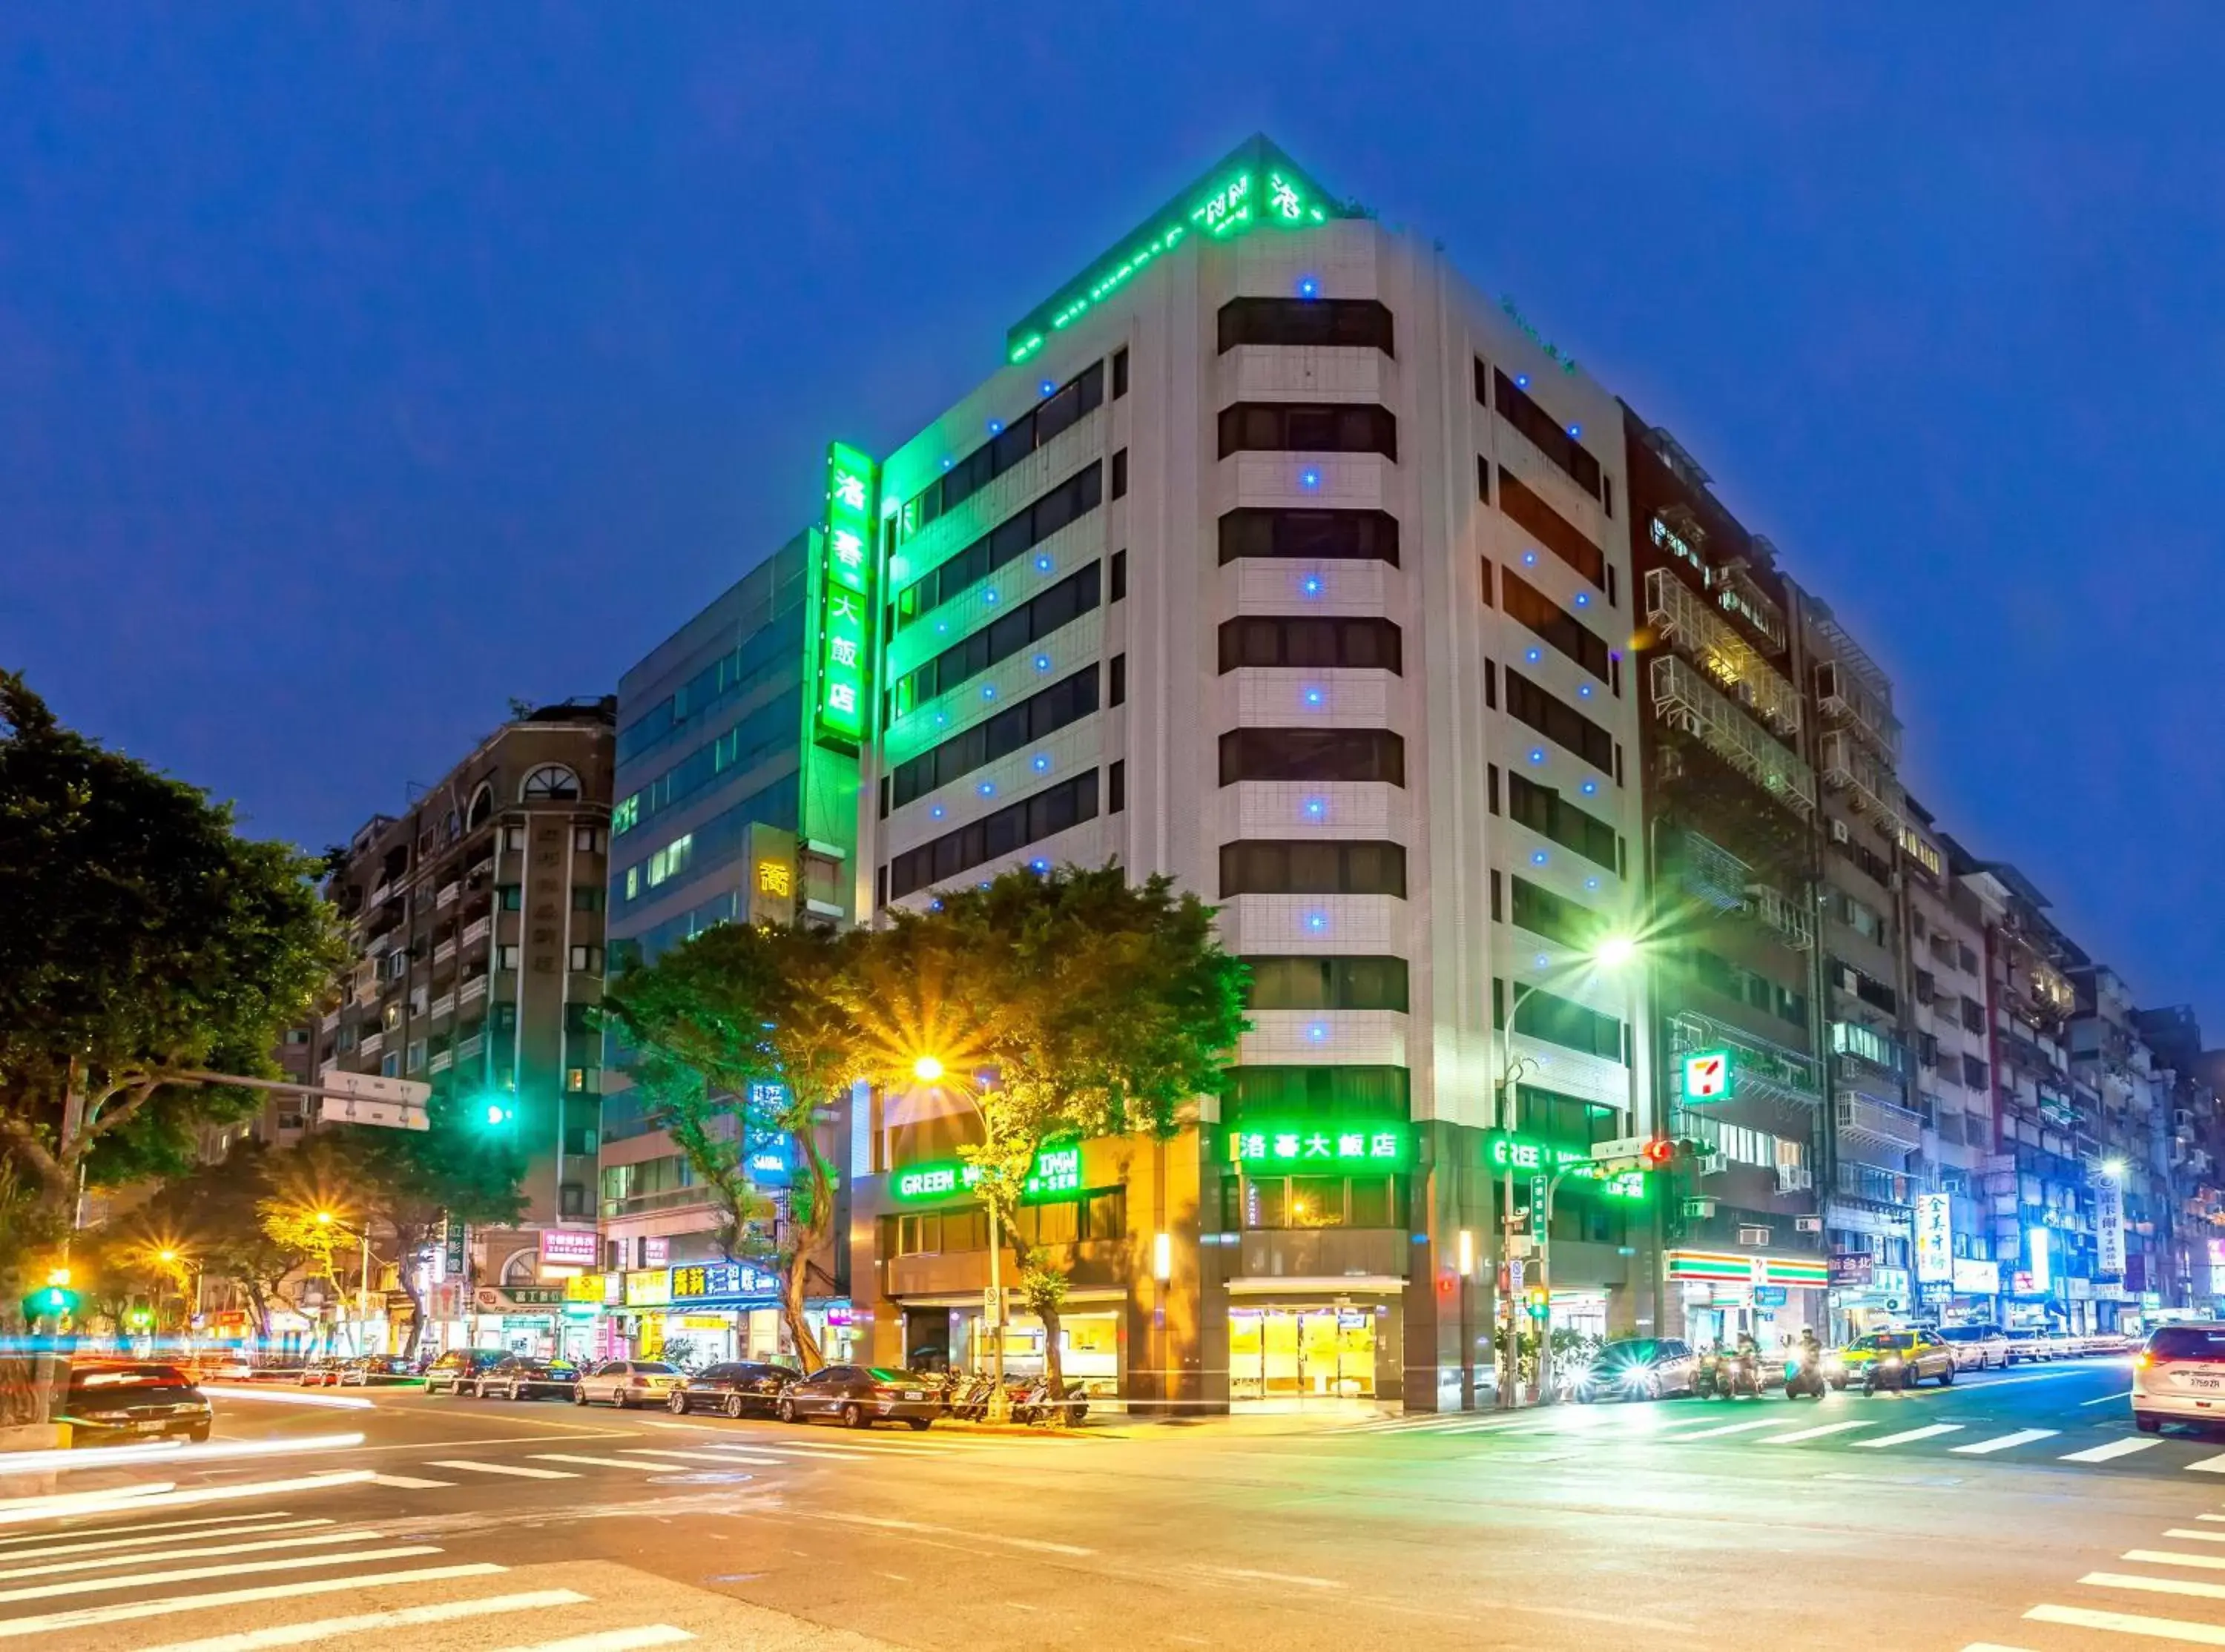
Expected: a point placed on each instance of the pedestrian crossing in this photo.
(2129, 1606)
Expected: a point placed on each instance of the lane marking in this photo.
(1249, 1575)
(597, 1462)
(612, 1640)
(2166, 1557)
(402, 1617)
(187, 1537)
(291, 1396)
(800, 1453)
(1931, 1431)
(2166, 1629)
(1727, 1429)
(315, 1541)
(701, 1458)
(119, 1497)
(405, 1483)
(882, 1523)
(2208, 1465)
(523, 1473)
(1975, 1646)
(2002, 1442)
(6, 1544)
(111, 1456)
(2106, 1398)
(194, 1574)
(94, 1503)
(2155, 1586)
(1814, 1434)
(91, 1616)
(2113, 1450)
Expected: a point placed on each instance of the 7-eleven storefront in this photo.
(1721, 1294)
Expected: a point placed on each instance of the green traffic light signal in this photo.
(49, 1302)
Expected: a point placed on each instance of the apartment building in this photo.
(475, 920)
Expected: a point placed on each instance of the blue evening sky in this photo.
(361, 367)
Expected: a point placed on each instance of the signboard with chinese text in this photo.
(571, 1246)
(1852, 1268)
(1707, 1076)
(702, 1281)
(1935, 1237)
(1976, 1277)
(2108, 1229)
(1527, 1155)
(1367, 1146)
(648, 1288)
(843, 621)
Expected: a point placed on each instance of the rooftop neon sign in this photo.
(1257, 184)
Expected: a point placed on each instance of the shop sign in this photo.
(1851, 1270)
(1730, 1267)
(1313, 1146)
(656, 1253)
(1707, 1076)
(648, 1288)
(571, 1246)
(700, 1282)
(523, 1322)
(1893, 1281)
(1976, 1277)
(2041, 1269)
(1935, 1237)
(844, 616)
(2108, 1229)
(703, 1322)
(1769, 1295)
(585, 1287)
(1056, 1174)
(521, 1296)
(1531, 1156)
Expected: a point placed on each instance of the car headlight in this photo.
(1634, 1377)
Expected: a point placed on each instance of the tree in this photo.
(743, 1015)
(146, 942)
(1091, 1005)
(213, 1217)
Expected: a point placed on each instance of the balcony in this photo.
(1684, 698)
(473, 987)
(1758, 1067)
(371, 1042)
(1850, 767)
(1887, 1124)
(329, 1021)
(1694, 629)
(670, 1199)
(444, 951)
(1783, 913)
(468, 1049)
(1872, 1185)
(1847, 702)
(440, 1062)
(476, 931)
(447, 895)
(1710, 873)
(444, 1005)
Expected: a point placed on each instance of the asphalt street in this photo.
(2018, 1510)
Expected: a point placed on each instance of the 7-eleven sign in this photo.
(1707, 1076)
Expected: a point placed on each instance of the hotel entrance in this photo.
(1302, 1353)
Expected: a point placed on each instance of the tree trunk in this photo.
(808, 1351)
(1054, 1366)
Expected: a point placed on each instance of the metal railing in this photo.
(1696, 629)
(1881, 1120)
(1684, 698)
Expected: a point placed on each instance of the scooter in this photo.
(1887, 1371)
(1708, 1376)
(1804, 1376)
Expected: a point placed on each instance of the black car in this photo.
(862, 1395)
(110, 1401)
(736, 1389)
(522, 1377)
(458, 1371)
(371, 1369)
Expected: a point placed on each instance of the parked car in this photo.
(367, 1369)
(2180, 1373)
(862, 1395)
(458, 1371)
(1900, 1359)
(1977, 1347)
(110, 1401)
(623, 1382)
(2112, 1342)
(1639, 1368)
(736, 1388)
(2028, 1344)
(523, 1377)
(319, 1373)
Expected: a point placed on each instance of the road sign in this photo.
(372, 1086)
(1623, 1147)
(392, 1115)
(1538, 1194)
(992, 1307)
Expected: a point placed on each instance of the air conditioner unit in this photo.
(1808, 1225)
(1753, 1235)
(1839, 833)
(1714, 1164)
(1699, 1209)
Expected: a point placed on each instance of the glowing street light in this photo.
(1614, 952)
(2113, 1168)
(927, 1069)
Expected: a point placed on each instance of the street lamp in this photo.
(2113, 1168)
(326, 1219)
(928, 1069)
(1612, 952)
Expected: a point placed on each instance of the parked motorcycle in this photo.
(1804, 1376)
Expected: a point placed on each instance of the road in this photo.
(2018, 1510)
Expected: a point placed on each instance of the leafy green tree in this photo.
(213, 1217)
(742, 1005)
(1088, 1006)
(145, 941)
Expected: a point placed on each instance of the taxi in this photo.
(1904, 1359)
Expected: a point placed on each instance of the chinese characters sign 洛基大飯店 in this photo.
(844, 619)
(1366, 1145)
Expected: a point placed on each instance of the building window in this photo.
(1273, 1202)
(1310, 535)
(1297, 1094)
(576, 1080)
(587, 897)
(1118, 694)
(1005, 636)
(1559, 722)
(1013, 827)
(1119, 577)
(1543, 912)
(1364, 323)
(1120, 372)
(587, 960)
(513, 839)
(571, 1200)
(1311, 866)
(1340, 983)
(1011, 539)
(1529, 512)
(1359, 644)
(1308, 428)
(1116, 787)
(389, 1064)
(1120, 474)
(1035, 718)
(1052, 417)
(506, 957)
(552, 782)
(587, 840)
(1540, 1014)
(509, 897)
(1533, 608)
(1312, 754)
(1546, 433)
(1545, 812)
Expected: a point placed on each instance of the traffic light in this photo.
(492, 1109)
(1538, 1301)
(49, 1302)
(1659, 1154)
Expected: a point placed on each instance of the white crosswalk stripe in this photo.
(2111, 1451)
(2171, 1557)
(209, 1528)
(612, 1640)
(469, 1466)
(444, 1611)
(93, 1563)
(1930, 1431)
(2167, 1628)
(2208, 1465)
(195, 1574)
(1814, 1434)
(2004, 1442)
(238, 1521)
(2154, 1586)
(1728, 1428)
(710, 1456)
(599, 1462)
(2181, 1533)
(407, 1482)
(128, 1611)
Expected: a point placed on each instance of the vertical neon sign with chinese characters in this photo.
(846, 600)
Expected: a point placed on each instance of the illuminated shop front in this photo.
(1725, 1295)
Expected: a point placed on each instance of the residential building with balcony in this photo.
(474, 919)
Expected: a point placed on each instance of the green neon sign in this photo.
(844, 614)
(1056, 1174)
(1533, 1156)
(1257, 184)
(1312, 1146)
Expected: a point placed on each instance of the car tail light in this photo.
(2142, 1361)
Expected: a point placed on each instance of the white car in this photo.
(1977, 1347)
(2180, 1374)
(623, 1382)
